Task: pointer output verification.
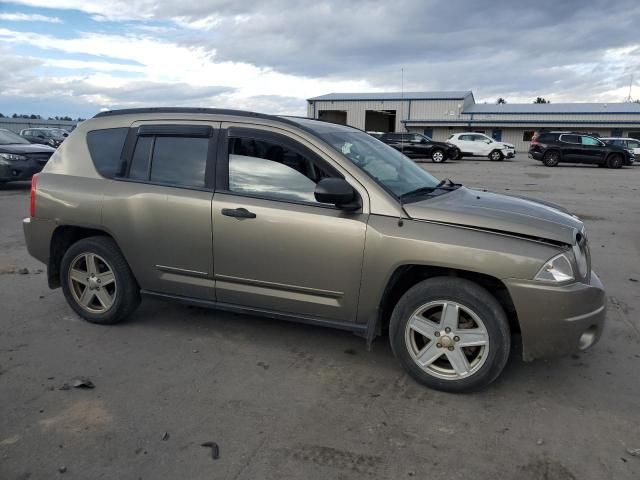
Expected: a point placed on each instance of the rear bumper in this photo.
(37, 235)
(535, 155)
(558, 320)
(23, 170)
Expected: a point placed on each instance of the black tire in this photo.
(127, 292)
(470, 296)
(438, 156)
(551, 159)
(496, 156)
(615, 161)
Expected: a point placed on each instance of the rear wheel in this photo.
(450, 334)
(496, 156)
(97, 281)
(438, 156)
(614, 161)
(551, 159)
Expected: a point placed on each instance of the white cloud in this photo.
(26, 17)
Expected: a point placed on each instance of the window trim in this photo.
(170, 130)
(222, 164)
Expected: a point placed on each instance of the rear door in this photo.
(276, 248)
(158, 208)
(571, 148)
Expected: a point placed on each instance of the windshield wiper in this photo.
(445, 184)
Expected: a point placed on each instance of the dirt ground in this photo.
(283, 400)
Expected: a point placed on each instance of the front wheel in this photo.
(97, 281)
(496, 156)
(614, 161)
(450, 334)
(438, 156)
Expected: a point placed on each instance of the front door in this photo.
(275, 247)
(159, 208)
(592, 149)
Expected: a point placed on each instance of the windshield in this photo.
(9, 138)
(388, 167)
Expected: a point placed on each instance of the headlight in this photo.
(556, 270)
(12, 156)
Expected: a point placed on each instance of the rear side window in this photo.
(179, 161)
(105, 148)
(571, 138)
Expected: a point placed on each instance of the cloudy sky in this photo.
(77, 57)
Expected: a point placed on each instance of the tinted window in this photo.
(105, 147)
(466, 137)
(589, 141)
(268, 169)
(571, 138)
(139, 169)
(179, 161)
(416, 138)
(633, 144)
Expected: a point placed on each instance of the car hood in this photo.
(26, 148)
(508, 145)
(499, 213)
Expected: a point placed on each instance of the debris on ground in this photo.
(263, 365)
(23, 271)
(633, 279)
(78, 382)
(62, 469)
(215, 450)
(540, 442)
(351, 351)
(634, 452)
(165, 436)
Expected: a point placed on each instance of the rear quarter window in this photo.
(105, 148)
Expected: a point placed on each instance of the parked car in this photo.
(376, 134)
(19, 159)
(552, 148)
(420, 146)
(472, 144)
(321, 223)
(45, 136)
(630, 144)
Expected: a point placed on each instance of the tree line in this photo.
(39, 117)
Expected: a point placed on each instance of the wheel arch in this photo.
(62, 238)
(406, 276)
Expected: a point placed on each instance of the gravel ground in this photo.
(292, 401)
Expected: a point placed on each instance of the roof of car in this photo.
(315, 126)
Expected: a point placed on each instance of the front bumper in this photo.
(509, 153)
(555, 320)
(19, 170)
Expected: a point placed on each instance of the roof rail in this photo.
(208, 111)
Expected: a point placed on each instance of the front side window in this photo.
(386, 165)
(270, 169)
(416, 138)
(633, 144)
(590, 141)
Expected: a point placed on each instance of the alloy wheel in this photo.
(437, 156)
(92, 283)
(447, 340)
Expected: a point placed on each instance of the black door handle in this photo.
(238, 213)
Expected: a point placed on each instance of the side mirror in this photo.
(338, 192)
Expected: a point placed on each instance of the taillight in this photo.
(32, 198)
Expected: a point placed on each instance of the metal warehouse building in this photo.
(439, 114)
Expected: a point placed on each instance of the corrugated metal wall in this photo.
(17, 124)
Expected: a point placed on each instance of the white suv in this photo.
(631, 144)
(472, 144)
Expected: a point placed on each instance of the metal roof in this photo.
(553, 108)
(377, 96)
